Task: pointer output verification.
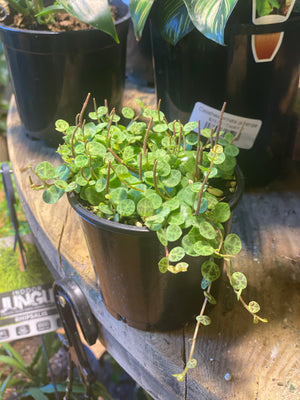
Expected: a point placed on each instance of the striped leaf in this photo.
(210, 16)
(139, 10)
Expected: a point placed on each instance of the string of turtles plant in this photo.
(156, 174)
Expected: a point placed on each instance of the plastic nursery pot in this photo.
(197, 69)
(52, 73)
(139, 67)
(125, 260)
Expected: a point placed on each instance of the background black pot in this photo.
(199, 70)
(52, 72)
(139, 66)
(126, 258)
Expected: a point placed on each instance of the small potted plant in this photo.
(59, 53)
(155, 200)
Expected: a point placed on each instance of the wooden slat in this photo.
(263, 359)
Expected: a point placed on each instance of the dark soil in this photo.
(60, 22)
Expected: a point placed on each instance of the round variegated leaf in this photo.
(210, 271)
(238, 281)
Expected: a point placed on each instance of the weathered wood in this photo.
(263, 359)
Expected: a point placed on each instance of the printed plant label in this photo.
(265, 46)
(27, 305)
(209, 118)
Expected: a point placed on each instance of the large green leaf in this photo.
(93, 12)
(139, 10)
(174, 21)
(210, 16)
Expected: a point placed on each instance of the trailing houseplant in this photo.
(167, 178)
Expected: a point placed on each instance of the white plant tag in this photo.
(209, 118)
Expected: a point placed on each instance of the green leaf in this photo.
(204, 284)
(173, 179)
(160, 128)
(37, 394)
(118, 194)
(61, 184)
(173, 20)
(126, 207)
(12, 362)
(207, 230)
(192, 363)
(173, 233)
(210, 16)
(238, 281)
(210, 298)
(45, 170)
(128, 112)
(176, 254)
(155, 199)
(52, 195)
(179, 267)
(162, 237)
(192, 139)
(139, 10)
(61, 125)
(100, 185)
(105, 209)
(210, 271)
(231, 150)
(232, 244)
(203, 319)
(96, 148)
(221, 212)
(176, 218)
(95, 13)
(81, 161)
(163, 265)
(145, 207)
(254, 307)
(190, 126)
(203, 249)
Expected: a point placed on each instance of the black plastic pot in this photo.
(52, 73)
(199, 70)
(139, 66)
(125, 260)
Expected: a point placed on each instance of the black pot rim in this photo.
(136, 230)
(45, 33)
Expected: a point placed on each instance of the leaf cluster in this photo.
(153, 173)
(176, 18)
(31, 380)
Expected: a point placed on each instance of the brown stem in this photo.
(239, 133)
(95, 109)
(121, 162)
(146, 136)
(158, 110)
(112, 114)
(83, 108)
(197, 152)
(108, 177)
(141, 166)
(204, 183)
(220, 122)
(72, 140)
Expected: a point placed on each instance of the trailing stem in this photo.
(194, 339)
